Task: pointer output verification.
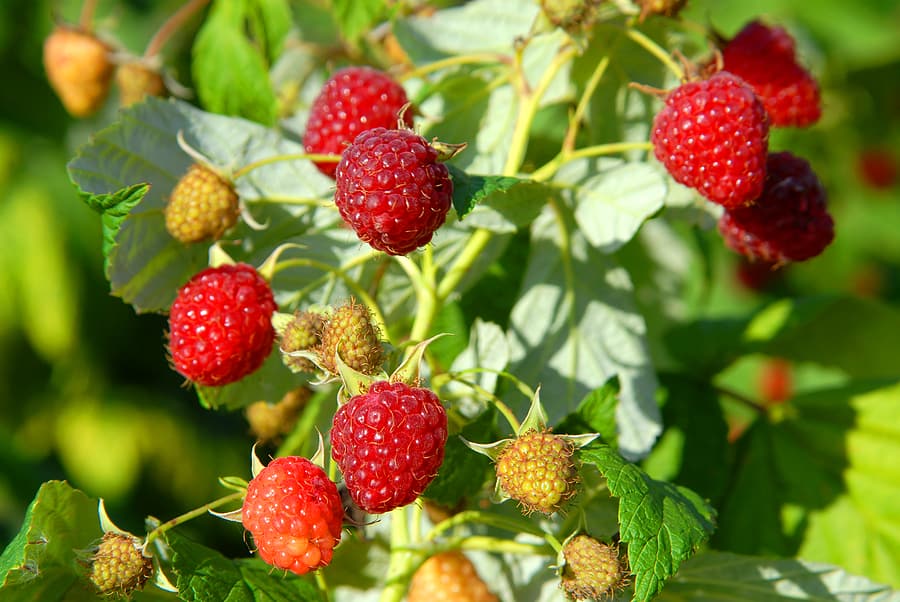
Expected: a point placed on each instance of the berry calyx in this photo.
(448, 577)
(712, 135)
(202, 206)
(350, 332)
(592, 570)
(220, 326)
(353, 100)
(119, 566)
(79, 69)
(392, 190)
(294, 513)
(389, 443)
(537, 470)
(764, 57)
(302, 333)
(788, 222)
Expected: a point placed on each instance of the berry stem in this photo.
(549, 169)
(575, 122)
(653, 48)
(348, 280)
(517, 382)
(492, 520)
(402, 559)
(501, 407)
(243, 171)
(172, 25)
(86, 18)
(174, 522)
(465, 59)
(322, 584)
(741, 398)
(490, 544)
(426, 298)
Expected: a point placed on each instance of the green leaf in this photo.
(463, 472)
(833, 482)
(274, 19)
(705, 347)
(146, 266)
(204, 574)
(487, 350)
(612, 205)
(716, 576)
(230, 73)
(469, 190)
(595, 414)
(575, 325)
(508, 211)
(663, 524)
(40, 563)
(270, 383)
(356, 17)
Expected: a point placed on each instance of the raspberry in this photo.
(536, 469)
(294, 512)
(593, 569)
(202, 206)
(668, 8)
(220, 326)
(136, 81)
(350, 331)
(764, 58)
(712, 135)
(775, 381)
(391, 190)
(448, 577)
(119, 565)
(571, 15)
(79, 69)
(788, 222)
(389, 444)
(878, 168)
(268, 421)
(354, 100)
(302, 333)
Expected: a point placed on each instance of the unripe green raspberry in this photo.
(202, 206)
(571, 15)
(302, 333)
(119, 566)
(537, 470)
(593, 569)
(269, 421)
(350, 331)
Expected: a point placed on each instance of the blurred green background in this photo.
(85, 390)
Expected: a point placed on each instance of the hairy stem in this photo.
(243, 171)
(465, 59)
(178, 520)
(653, 48)
(178, 19)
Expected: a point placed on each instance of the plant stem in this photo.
(86, 18)
(501, 407)
(286, 157)
(484, 518)
(171, 25)
(402, 558)
(474, 246)
(575, 122)
(653, 48)
(426, 299)
(174, 522)
(741, 398)
(465, 59)
(549, 169)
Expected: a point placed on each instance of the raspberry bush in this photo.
(490, 292)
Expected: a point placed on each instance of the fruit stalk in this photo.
(171, 26)
(653, 48)
(178, 520)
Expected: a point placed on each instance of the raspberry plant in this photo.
(414, 235)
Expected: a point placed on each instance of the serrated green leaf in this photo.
(575, 325)
(487, 350)
(274, 18)
(612, 205)
(834, 483)
(41, 562)
(114, 209)
(204, 574)
(270, 383)
(663, 524)
(243, 88)
(595, 414)
(469, 189)
(510, 210)
(356, 17)
(463, 472)
(717, 576)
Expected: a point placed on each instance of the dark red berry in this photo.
(712, 135)
(220, 326)
(392, 191)
(764, 57)
(878, 168)
(788, 222)
(389, 444)
(355, 99)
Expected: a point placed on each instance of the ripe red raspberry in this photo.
(593, 569)
(355, 99)
(448, 577)
(536, 469)
(392, 191)
(764, 57)
(389, 444)
(294, 512)
(220, 326)
(713, 135)
(788, 222)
